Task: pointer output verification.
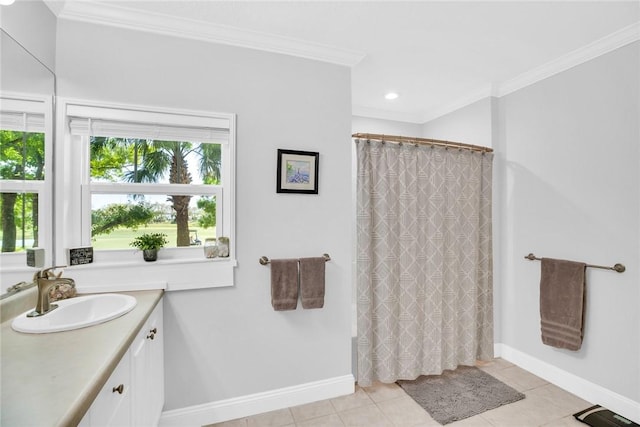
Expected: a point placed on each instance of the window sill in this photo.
(169, 274)
(138, 261)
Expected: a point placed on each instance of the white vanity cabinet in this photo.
(147, 372)
(112, 406)
(134, 394)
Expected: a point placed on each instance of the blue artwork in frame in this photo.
(297, 172)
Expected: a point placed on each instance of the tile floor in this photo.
(388, 405)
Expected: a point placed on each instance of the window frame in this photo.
(14, 265)
(125, 269)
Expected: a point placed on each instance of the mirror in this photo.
(21, 71)
(22, 158)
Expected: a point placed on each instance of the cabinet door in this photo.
(147, 358)
(156, 365)
(112, 406)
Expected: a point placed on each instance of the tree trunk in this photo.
(34, 199)
(34, 219)
(179, 174)
(181, 206)
(8, 222)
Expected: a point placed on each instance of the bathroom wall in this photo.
(228, 342)
(572, 190)
(470, 125)
(387, 127)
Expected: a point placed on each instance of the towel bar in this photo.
(264, 260)
(618, 267)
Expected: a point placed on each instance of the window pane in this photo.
(117, 218)
(19, 212)
(21, 155)
(150, 161)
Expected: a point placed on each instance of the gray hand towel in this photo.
(312, 282)
(284, 284)
(562, 296)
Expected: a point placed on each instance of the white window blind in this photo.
(22, 115)
(97, 121)
(22, 122)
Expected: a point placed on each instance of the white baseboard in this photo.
(244, 406)
(572, 383)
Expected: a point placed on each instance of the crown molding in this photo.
(377, 113)
(464, 101)
(55, 6)
(579, 56)
(124, 17)
(424, 117)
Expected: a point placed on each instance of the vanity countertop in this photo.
(52, 379)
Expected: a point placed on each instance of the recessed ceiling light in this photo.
(391, 95)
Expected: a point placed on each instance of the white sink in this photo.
(75, 313)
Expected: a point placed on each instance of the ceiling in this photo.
(438, 56)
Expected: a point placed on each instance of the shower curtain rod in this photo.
(422, 141)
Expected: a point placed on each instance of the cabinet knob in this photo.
(119, 389)
(151, 336)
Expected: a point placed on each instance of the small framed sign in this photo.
(79, 256)
(297, 172)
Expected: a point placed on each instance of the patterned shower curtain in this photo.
(424, 260)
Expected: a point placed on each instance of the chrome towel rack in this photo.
(264, 260)
(618, 267)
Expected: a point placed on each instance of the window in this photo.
(25, 158)
(131, 170)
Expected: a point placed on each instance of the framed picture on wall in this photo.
(297, 172)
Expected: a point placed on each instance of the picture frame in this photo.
(297, 172)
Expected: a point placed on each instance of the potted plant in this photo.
(149, 243)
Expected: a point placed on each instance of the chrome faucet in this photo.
(45, 280)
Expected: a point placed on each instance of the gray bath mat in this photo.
(459, 394)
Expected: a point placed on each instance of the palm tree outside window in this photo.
(150, 171)
(188, 218)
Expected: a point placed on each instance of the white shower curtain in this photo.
(424, 260)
